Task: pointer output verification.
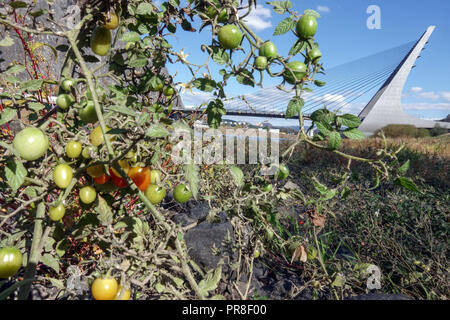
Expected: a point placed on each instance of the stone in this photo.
(379, 296)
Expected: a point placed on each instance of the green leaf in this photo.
(350, 120)
(322, 115)
(404, 168)
(15, 69)
(354, 134)
(59, 284)
(298, 47)
(206, 85)
(311, 12)
(18, 4)
(334, 140)
(50, 261)
(157, 131)
(238, 176)
(123, 110)
(339, 281)
(32, 85)
(191, 174)
(324, 128)
(131, 37)
(319, 83)
(322, 189)
(284, 26)
(7, 41)
(15, 173)
(211, 281)
(105, 214)
(36, 106)
(144, 8)
(137, 62)
(7, 115)
(280, 6)
(294, 107)
(220, 56)
(245, 77)
(407, 184)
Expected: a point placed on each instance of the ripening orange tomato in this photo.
(141, 176)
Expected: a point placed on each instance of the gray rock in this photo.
(202, 238)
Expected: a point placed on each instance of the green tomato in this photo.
(268, 50)
(268, 187)
(67, 84)
(87, 194)
(88, 113)
(168, 91)
(155, 176)
(156, 84)
(181, 193)
(269, 234)
(283, 172)
(62, 175)
(306, 27)
(261, 63)
(298, 69)
(87, 151)
(73, 149)
(64, 101)
(31, 143)
(155, 194)
(10, 261)
(56, 213)
(314, 55)
(230, 36)
(101, 41)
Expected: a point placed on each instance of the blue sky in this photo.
(343, 37)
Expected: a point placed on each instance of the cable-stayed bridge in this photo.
(386, 71)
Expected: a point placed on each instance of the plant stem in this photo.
(34, 254)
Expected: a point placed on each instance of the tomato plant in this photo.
(10, 261)
(116, 91)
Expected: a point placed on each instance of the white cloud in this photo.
(416, 89)
(427, 106)
(323, 9)
(329, 98)
(259, 18)
(195, 99)
(428, 95)
(446, 95)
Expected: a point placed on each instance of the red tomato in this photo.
(102, 179)
(117, 180)
(140, 176)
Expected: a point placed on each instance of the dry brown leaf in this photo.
(316, 219)
(299, 253)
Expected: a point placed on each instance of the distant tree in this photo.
(438, 130)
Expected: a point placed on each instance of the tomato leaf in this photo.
(284, 26)
(407, 184)
(7, 115)
(157, 131)
(105, 214)
(334, 140)
(354, 134)
(191, 173)
(350, 120)
(15, 173)
(211, 280)
(206, 85)
(238, 176)
(404, 168)
(294, 107)
(50, 261)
